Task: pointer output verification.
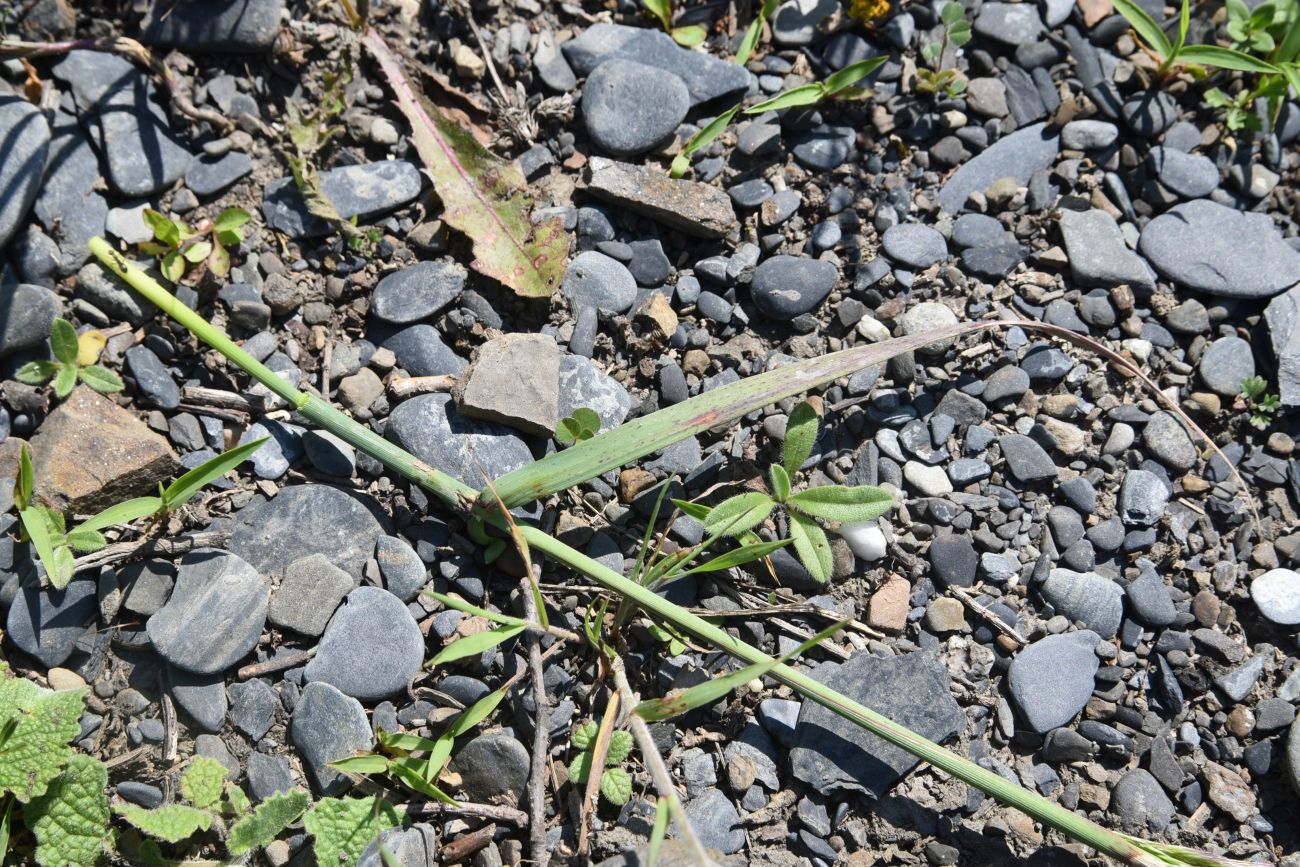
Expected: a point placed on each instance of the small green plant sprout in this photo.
(1238, 111)
(582, 425)
(1171, 55)
(839, 85)
(1250, 29)
(75, 360)
(940, 78)
(615, 782)
(211, 803)
(688, 35)
(1253, 398)
(208, 244)
(56, 545)
(836, 504)
(755, 30)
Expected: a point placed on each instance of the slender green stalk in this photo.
(462, 498)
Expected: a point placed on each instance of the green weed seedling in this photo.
(688, 35)
(1171, 55)
(56, 545)
(1255, 399)
(1271, 33)
(74, 361)
(615, 782)
(939, 78)
(582, 425)
(209, 244)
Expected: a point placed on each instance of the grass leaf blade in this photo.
(1225, 58)
(1145, 26)
(473, 645)
(180, 491)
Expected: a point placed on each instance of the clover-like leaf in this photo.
(616, 786)
(203, 782)
(267, 821)
(70, 821)
(343, 827)
(582, 425)
(38, 372)
(171, 824)
(65, 381)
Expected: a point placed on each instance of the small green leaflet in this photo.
(172, 823)
(800, 437)
(473, 645)
(843, 505)
(812, 546)
(738, 514)
(679, 701)
(63, 342)
(203, 782)
(267, 821)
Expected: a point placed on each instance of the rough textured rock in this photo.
(361, 191)
(833, 754)
(215, 613)
(305, 520)
(513, 379)
(307, 595)
(371, 648)
(1283, 318)
(328, 725)
(89, 454)
(1098, 254)
(697, 209)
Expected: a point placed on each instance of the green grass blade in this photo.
(701, 139)
(804, 94)
(180, 491)
(657, 832)
(738, 557)
(473, 645)
(853, 73)
(1145, 26)
(123, 513)
(721, 406)
(37, 524)
(466, 608)
(1225, 58)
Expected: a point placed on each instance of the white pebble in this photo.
(866, 540)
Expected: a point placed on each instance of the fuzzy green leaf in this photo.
(584, 735)
(343, 827)
(620, 747)
(780, 482)
(100, 378)
(473, 645)
(236, 801)
(580, 767)
(40, 723)
(845, 505)
(171, 824)
(85, 541)
(230, 219)
(738, 514)
(812, 546)
(616, 786)
(180, 491)
(203, 782)
(38, 372)
(689, 35)
(1145, 26)
(800, 437)
(267, 821)
(65, 381)
(70, 821)
(5, 822)
(63, 341)
(367, 764)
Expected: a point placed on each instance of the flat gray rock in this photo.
(26, 312)
(371, 648)
(1098, 254)
(328, 725)
(698, 209)
(403, 571)
(429, 427)
(202, 696)
(1225, 363)
(1277, 596)
(493, 768)
(914, 245)
(1017, 156)
(207, 176)
(215, 614)
(361, 191)
(1211, 248)
(1050, 680)
(1189, 175)
(213, 25)
(514, 379)
(68, 204)
(706, 77)
(24, 148)
(1140, 803)
(420, 351)
(1012, 24)
(1027, 460)
(1086, 597)
(716, 821)
(593, 279)
(630, 107)
(1283, 318)
(308, 519)
(308, 593)
(418, 292)
(46, 623)
(833, 754)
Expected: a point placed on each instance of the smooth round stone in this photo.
(418, 292)
(914, 245)
(929, 316)
(1149, 112)
(493, 767)
(1005, 383)
(866, 540)
(1050, 680)
(1168, 441)
(977, 230)
(208, 175)
(596, 280)
(371, 647)
(1012, 24)
(1189, 175)
(152, 378)
(1087, 135)
(1277, 596)
(929, 481)
(1225, 364)
(1140, 802)
(46, 623)
(26, 136)
(328, 725)
(26, 312)
(750, 193)
(215, 613)
(630, 107)
(788, 286)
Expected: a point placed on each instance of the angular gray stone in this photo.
(1097, 252)
(202, 696)
(418, 292)
(914, 245)
(26, 312)
(629, 107)
(213, 25)
(1012, 24)
(832, 754)
(1142, 498)
(215, 613)
(1226, 362)
(328, 725)
(24, 148)
(583, 383)
(329, 454)
(698, 209)
(513, 379)
(253, 706)
(553, 69)
(429, 427)
(1189, 175)
(421, 351)
(308, 594)
(1283, 318)
(207, 176)
(1026, 459)
(309, 519)
(1149, 598)
(706, 77)
(46, 623)
(1211, 248)
(1140, 803)
(1017, 156)
(403, 570)
(68, 204)
(786, 286)
(594, 279)
(371, 648)
(493, 768)
(268, 775)
(361, 191)
(1237, 683)
(1086, 597)
(716, 821)
(416, 846)
(1050, 680)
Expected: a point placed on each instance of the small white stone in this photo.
(1277, 595)
(382, 132)
(128, 223)
(930, 481)
(1139, 348)
(866, 540)
(872, 329)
